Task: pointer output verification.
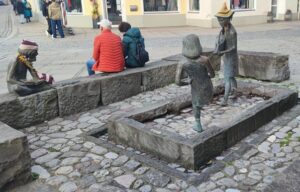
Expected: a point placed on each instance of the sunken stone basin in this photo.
(165, 129)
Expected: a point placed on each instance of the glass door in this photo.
(114, 11)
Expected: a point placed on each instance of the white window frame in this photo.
(161, 12)
(77, 13)
(242, 10)
(192, 11)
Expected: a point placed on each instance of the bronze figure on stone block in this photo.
(199, 71)
(17, 72)
(226, 46)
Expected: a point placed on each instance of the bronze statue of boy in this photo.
(226, 46)
(199, 71)
(17, 72)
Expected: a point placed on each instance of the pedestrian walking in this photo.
(55, 14)
(14, 4)
(20, 7)
(46, 15)
(27, 11)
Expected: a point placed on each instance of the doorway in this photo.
(274, 8)
(114, 11)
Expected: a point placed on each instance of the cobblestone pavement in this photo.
(67, 160)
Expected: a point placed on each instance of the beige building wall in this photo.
(203, 18)
(208, 9)
(141, 18)
(284, 5)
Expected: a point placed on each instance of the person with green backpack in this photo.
(133, 45)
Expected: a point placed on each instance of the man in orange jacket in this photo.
(108, 51)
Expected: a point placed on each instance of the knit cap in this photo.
(28, 45)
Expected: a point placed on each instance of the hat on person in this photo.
(105, 23)
(28, 45)
(224, 12)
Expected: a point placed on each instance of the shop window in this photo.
(73, 6)
(194, 5)
(242, 4)
(160, 5)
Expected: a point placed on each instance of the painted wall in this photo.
(204, 18)
(283, 5)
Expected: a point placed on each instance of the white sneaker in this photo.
(47, 34)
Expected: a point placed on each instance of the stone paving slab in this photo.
(288, 181)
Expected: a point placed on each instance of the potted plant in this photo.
(95, 14)
(288, 15)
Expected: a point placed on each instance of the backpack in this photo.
(142, 56)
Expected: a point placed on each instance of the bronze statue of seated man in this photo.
(17, 72)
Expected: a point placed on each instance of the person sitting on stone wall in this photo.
(130, 38)
(108, 51)
(17, 72)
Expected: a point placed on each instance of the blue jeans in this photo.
(57, 23)
(89, 66)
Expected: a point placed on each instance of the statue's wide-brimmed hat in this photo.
(224, 12)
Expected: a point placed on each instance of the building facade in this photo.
(157, 13)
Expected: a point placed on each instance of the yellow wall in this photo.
(138, 3)
(87, 7)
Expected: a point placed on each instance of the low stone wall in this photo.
(86, 93)
(192, 153)
(15, 160)
(264, 66)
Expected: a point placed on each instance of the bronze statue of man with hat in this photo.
(226, 46)
(17, 72)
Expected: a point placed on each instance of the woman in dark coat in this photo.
(20, 11)
(130, 38)
(27, 11)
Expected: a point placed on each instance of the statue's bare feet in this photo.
(233, 94)
(197, 127)
(224, 103)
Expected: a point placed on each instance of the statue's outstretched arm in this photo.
(209, 68)
(231, 43)
(178, 74)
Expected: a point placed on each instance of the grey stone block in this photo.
(159, 74)
(215, 60)
(81, 95)
(264, 66)
(15, 161)
(20, 112)
(120, 86)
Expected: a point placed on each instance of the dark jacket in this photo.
(20, 8)
(129, 43)
(45, 9)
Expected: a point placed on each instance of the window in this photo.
(242, 4)
(73, 6)
(194, 5)
(160, 5)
